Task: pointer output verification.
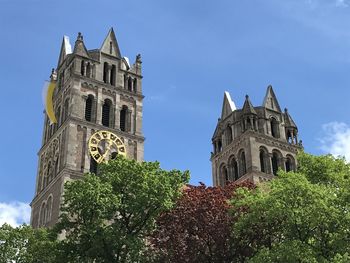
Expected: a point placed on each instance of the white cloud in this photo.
(341, 3)
(319, 3)
(14, 213)
(336, 139)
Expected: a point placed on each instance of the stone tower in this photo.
(252, 143)
(95, 90)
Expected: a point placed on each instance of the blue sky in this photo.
(192, 52)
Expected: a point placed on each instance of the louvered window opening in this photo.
(88, 109)
(123, 113)
(105, 114)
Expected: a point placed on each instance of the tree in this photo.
(198, 228)
(26, 245)
(107, 217)
(301, 216)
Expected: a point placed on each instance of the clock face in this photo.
(105, 146)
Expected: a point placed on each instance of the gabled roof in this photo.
(110, 44)
(66, 49)
(248, 107)
(79, 47)
(270, 100)
(228, 106)
(289, 123)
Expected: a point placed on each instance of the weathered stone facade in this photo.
(252, 143)
(95, 90)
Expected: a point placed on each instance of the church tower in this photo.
(96, 90)
(252, 143)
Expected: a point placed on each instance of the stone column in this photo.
(99, 103)
(85, 65)
(270, 155)
(283, 165)
(87, 155)
(117, 118)
(233, 131)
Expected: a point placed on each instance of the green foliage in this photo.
(324, 169)
(26, 245)
(298, 217)
(108, 217)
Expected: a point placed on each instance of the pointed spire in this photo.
(270, 100)
(110, 44)
(66, 49)
(228, 106)
(79, 47)
(248, 107)
(289, 123)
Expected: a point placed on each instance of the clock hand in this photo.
(108, 148)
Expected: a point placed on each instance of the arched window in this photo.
(243, 165)
(82, 68)
(93, 166)
(106, 113)
(105, 72)
(42, 214)
(276, 161)
(264, 160)
(88, 108)
(112, 77)
(49, 173)
(129, 84)
(219, 146)
(234, 169)
(228, 135)
(224, 175)
(290, 164)
(48, 209)
(249, 124)
(88, 70)
(135, 85)
(274, 128)
(123, 118)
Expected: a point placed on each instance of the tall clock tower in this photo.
(96, 90)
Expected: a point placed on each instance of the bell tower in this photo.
(96, 90)
(252, 143)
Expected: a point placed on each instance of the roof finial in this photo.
(80, 36)
(138, 58)
(53, 75)
(246, 96)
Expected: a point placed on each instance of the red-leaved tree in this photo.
(198, 228)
